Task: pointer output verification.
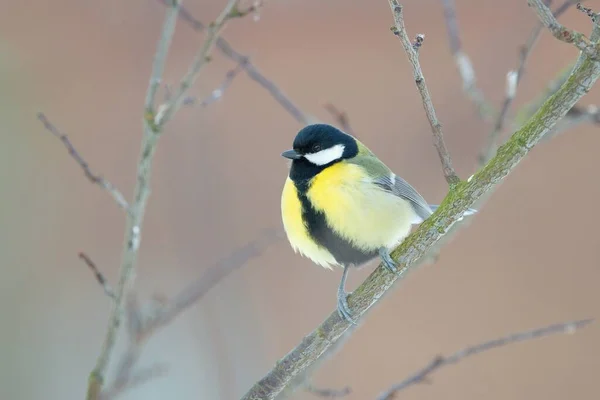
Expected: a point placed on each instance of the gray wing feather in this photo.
(401, 188)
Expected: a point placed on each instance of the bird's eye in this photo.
(316, 148)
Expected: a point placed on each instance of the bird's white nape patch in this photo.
(326, 156)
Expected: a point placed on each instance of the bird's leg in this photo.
(342, 301)
(390, 264)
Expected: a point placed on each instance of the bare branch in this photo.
(463, 63)
(253, 72)
(162, 51)
(440, 361)
(562, 33)
(218, 92)
(513, 80)
(166, 111)
(108, 290)
(197, 289)
(141, 328)
(136, 211)
(328, 393)
(341, 117)
(589, 12)
(318, 344)
(412, 52)
(96, 179)
(576, 116)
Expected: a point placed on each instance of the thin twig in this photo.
(576, 116)
(318, 344)
(328, 393)
(137, 211)
(440, 361)
(463, 63)
(108, 290)
(513, 80)
(141, 328)
(216, 94)
(96, 179)
(589, 12)
(252, 71)
(341, 117)
(413, 56)
(561, 32)
(166, 111)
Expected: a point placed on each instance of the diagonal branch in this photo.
(412, 51)
(217, 93)
(100, 278)
(440, 361)
(317, 344)
(96, 179)
(253, 72)
(341, 117)
(328, 393)
(513, 80)
(167, 110)
(140, 328)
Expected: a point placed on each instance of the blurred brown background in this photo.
(530, 258)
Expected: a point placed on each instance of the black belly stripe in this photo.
(341, 249)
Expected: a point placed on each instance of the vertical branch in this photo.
(136, 212)
(412, 51)
(463, 63)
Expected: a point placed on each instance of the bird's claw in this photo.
(343, 308)
(387, 261)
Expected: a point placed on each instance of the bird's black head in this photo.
(316, 147)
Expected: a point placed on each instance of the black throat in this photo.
(302, 173)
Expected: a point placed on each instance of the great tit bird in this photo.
(342, 206)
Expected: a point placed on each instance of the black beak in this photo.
(291, 154)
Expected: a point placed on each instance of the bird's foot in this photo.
(387, 260)
(343, 308)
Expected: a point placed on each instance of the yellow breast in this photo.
(355, 208)
(296, 229)
(358, 210)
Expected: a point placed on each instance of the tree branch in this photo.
(108, 290)
(136, 210)
(319, 342)
(328, 393)
(440, 361)
(95, 179)
(412, 51)
(513, 79)
(167, 110)
(253, 72)
(216, 94)
(341, 118)
(463, 63)
(142, 327)
(562, 33)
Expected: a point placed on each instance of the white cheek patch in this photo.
(326, 156)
